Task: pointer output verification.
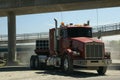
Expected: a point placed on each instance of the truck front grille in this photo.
(94, 50)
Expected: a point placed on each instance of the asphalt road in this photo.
(24, 73)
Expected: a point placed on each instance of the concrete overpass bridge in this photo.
(107, 30)
(21, 7)
(25, 38)
(101, 30)
(11, 8)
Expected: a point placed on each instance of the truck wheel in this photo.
(102, 70)
(67, 64)
(37, 62)
(32, 62)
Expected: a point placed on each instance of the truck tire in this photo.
(102, 70)
(32, 62)
(37, 62)
(67, 64)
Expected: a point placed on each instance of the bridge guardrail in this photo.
(109, 27)
(26, 36)
(102, 28)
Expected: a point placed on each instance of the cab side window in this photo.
(63, 33)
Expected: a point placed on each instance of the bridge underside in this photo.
(21, 7)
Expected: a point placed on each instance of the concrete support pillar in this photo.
(11, 37)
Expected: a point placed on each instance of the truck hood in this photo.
(86, 39)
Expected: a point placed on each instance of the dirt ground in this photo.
(24, 73)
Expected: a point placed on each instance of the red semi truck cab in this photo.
(71, 46)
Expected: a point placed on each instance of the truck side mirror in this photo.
(99, 34)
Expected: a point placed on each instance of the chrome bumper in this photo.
(91, 63)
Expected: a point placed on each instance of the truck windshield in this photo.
(79, 32)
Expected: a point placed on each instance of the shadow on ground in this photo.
(76, 74)
(14, 68)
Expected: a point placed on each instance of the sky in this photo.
(36, 23)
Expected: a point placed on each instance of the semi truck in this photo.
(69, 47)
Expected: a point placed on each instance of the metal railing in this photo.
(102, 28)
(105, 28)
(26, 36)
